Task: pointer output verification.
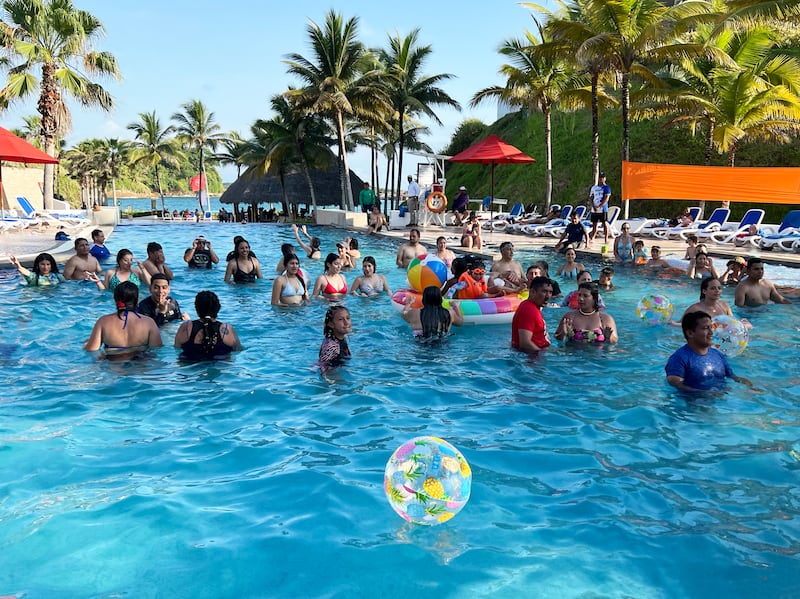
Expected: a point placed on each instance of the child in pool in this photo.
(44, 274)
(334, 349)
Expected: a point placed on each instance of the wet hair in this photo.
(122, 253)
(286, 249)
(207, 306)
(584, 272)
(153, 247)
(353, 244)
(434, 318)
(126, 296)
(288, 258)
(459, 266)
(539, 282)
(698, 254)
(592, 287)
(327, 328)
(607, 271)
(543, 266)
(239, 241)
(691, 237)
(473, 262)
(78, 240)
(638, 243)
(752, 260)
(370, 260)
(690, 320)
(96, 233)
(315, 243)
(704, 286)
(415, 230)
(330, 259)
(44, 256)
(159, 276)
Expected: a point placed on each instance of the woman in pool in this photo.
(287, 249)
(570, 268)
(331, 284)
(289, 289)
(125, 271)
(587, 324)
(312, 249)
(445, 255)
(334, 349)
(206, 338)
(432, 320)
(471, 235)
(44, 272)
(370, 283)
(710, 302)
(701, 267)
(126, 333)
(623, 245)
(244, 267)
(571, 299)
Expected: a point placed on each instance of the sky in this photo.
(230, 56)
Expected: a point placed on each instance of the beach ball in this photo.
(730, 335)
(654, 309)
(426, 270)
(427, 481)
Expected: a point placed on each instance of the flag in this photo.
(198, 182)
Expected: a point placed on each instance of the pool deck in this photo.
(26, 245)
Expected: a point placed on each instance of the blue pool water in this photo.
(257, 478)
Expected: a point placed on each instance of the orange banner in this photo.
(764, 185)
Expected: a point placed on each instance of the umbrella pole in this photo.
(491, 204)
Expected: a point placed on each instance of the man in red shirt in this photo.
(528, 329)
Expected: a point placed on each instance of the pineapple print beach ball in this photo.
(427, 481)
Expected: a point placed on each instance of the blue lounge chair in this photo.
(752, 217)
(787, 231)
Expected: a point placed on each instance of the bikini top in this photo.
(289, 291)
(331, 290)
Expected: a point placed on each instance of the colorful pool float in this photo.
(490, 310)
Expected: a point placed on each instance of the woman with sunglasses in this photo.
(623, 245)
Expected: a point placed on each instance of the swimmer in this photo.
(331, 284)
(206, 338)
(755, 290)
(44, 272)
(334, 349)
(587, 324)
(370, 283)
(289, 289)
(432, 320)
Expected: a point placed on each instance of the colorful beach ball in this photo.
(730, 335)
(426, 270)
(427, 481)
(655, 309)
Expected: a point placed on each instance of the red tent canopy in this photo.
(16, 149)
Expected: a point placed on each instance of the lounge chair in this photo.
(502, 220)
(537, 230)
(789, 228)
(557, 231)
(715, 222)
(649, 228)
(737, 235)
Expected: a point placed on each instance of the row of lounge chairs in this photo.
(516, 222)
(28, 217)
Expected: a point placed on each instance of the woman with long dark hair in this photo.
(206, 338)
(433, 320)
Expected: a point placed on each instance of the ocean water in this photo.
(258, 478)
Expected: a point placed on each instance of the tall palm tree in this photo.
(197, 127)
(112, 154)
(339, 82)
(153, 146)
(56, 38)
(232, 151)
(536, 81)
(411, 92)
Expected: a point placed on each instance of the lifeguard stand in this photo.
(430, 177)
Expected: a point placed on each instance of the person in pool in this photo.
(206, 338)
(200, 255)
(124, 334)
(445, 255)
(159, 305)
(98, 248)
(432, 320)
(289, 288)
(587, 324)
(244, 267)
(528, 328)
(82, 263)
(698, 366)
(755, 290)
(656, 261)
(334, 350)
(156, 262)
(43, 273)
(571, 299)
(331, 284)
(370, 283)
(312, 248)
(125, 271)
(701, 267)
(710, 302)
(570, 268)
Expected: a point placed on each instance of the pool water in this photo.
(258, 478)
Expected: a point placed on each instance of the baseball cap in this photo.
(739, 260)
(602, 174)
(462, 188)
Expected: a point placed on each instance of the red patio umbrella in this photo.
(16, 149)
(492, 150)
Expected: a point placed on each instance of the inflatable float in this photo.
(490, 310)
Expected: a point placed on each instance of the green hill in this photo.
(572, 161)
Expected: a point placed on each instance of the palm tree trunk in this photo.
(548, 158)
(400, 153)
(595, 130)
(307, 175)
(347, 191)
(284, 197)
(160, 191)
(388, 207)
(626, 107)
(49, 101)
(731, 163)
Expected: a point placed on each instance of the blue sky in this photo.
(229, 55)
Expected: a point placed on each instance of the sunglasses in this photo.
(479, 271)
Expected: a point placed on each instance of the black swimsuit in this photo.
(240, 276)
(197, 351)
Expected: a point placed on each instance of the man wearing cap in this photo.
(412, 201)
(600, 195)
(200, 255)
(755, 290)
(82, 263)
(460, 205)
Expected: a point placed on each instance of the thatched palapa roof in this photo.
(268, 189)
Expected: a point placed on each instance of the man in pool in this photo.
(99, 249)
(507, 268)
(82, 264)
(409, 251)
(200, 255)
(528, 328)
(160, 306)
(755, 290)
(697, 366)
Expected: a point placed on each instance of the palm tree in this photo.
(411, 93)
(196, 127)
(153, 146)
(112, 153)
(535, 81)
(339, 82)
(57, 38)
(233, 149)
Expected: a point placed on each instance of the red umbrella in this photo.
(16, 149)
(492, 150)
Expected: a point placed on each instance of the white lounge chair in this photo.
(788, 229)
(737, 235)
(502, 220)
(715, 222)
(656, 224)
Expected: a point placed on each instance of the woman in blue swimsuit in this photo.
(570, 268)
(125, 333)
(125, 272)
(289, 289)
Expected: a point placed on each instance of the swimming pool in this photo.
(256, 478)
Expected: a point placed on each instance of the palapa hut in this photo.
(267, 190)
